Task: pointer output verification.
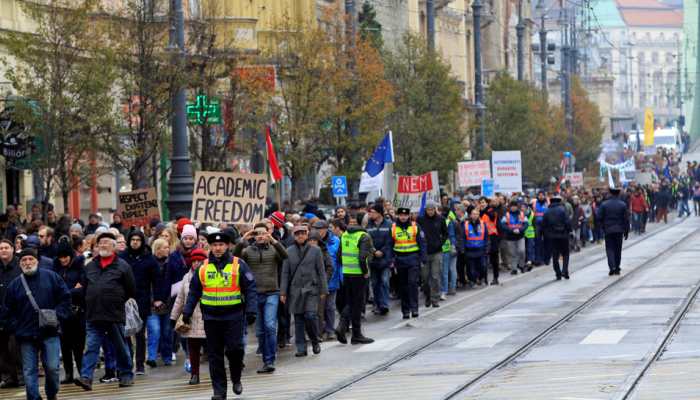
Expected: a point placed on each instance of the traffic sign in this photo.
(339, 184)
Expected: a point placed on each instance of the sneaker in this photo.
(361, 339)
(266, 369)
(84, 383)
(514, 272)
(452, 292)
(436, 305)
(188, 366)
(414, 314)
(194, 380)
(140, 371)
(126, 382)
(109, 377)
(443, 296)
(406, 316)
(174, 357)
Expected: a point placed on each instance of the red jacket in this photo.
(638, 204)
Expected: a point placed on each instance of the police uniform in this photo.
(225, 287)
(409, 251)
(614, 216)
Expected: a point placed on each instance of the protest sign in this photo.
(487, 188)
(507, 171)
(644, 178)
(409, 190)
(471, 173)
(575, 179)
(231, 198)
(138, 207)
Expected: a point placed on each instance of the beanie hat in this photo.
(198, 255)
(64, 249)
(28, 252)
(181, 224)
(77, 226)
(189, 230)
(277, 219)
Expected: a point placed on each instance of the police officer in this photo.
(225, 287)
(355, 249)
(614, 216)
(556, 226)
(409, 251)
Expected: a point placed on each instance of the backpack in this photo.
(133, 320)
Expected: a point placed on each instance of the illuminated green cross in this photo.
(204, 111)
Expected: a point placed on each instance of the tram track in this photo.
(416, 350)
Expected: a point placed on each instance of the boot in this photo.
(194, 380)
(359, 338)
(341, 330)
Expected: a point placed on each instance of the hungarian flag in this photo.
(275, 172)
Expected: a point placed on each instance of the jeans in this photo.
(530, 250)
(266, 325)
(380, 287)
(449, 272)
(50, 349)
(327, 324)
(108, 351)
(683, 207)
(114, 332)
(637, 222)
(160, 337)
(430, 274)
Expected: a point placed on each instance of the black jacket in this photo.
(107, 290)
(72, 275)
(145, 269)
(382, 241)
(435, 230)
(7, 274)
(555, 223)
(614, 216)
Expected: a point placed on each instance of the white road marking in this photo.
(605, 336)
(383, 344)
(484, 340)
(523, 314)
(611, 312)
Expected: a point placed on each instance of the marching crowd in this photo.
(129, 297)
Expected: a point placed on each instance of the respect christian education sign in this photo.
(138, 207)
(232, 198)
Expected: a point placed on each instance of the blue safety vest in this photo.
(476, 238)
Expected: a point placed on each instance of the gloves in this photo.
(250, 318)
(187, 319)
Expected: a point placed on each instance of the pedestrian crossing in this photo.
(605, 336)
(388, 344)
(484, 340)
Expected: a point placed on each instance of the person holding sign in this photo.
(225, 289)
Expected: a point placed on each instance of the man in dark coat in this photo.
(49, 292)
(614, 216)
(109, 284)
(145, 269)
(9, 352)
(436, 233)
(302, 286)
(556, 227)
(72, 269)
(379, 229)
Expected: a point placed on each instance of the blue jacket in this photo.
(452, 232)
(49, 291)
(332, 245)
(381, 238)
(227, 313)
(176, 268)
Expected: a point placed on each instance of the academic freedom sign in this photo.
(232, 198)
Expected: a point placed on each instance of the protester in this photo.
(10, 365)
(435, 230)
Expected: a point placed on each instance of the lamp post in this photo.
(180, 183)
(478, 85)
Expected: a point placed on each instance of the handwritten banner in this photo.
(472, 173)
(232, 198)
(138, 207)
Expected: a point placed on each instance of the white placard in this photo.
(507, 171)
(472, 173)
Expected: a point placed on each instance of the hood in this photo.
(142, 249)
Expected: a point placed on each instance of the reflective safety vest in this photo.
(530, 231)
(539, 209)
(220, 288)
(405, 240)
(491, 226)
(447, 245)
(476, 239)
(515, 223)
(350, 252)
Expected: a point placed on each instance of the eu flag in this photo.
(384, 153)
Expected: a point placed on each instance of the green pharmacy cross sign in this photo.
(204, 111)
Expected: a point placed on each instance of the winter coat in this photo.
(177, 267)
(365, 247)
(7, 274)
(235, 312)
(638, 204)
(508, 233)
(144, 267)
(555, 223)
(72, 275)
(382, 241)
(303, 278)
(196, 322)
(332, 245)
(435, 230)
(265, 262)
(107, 290)
(614, 216)
(49, 292)
(161, 288)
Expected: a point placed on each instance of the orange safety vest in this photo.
(491, 226)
